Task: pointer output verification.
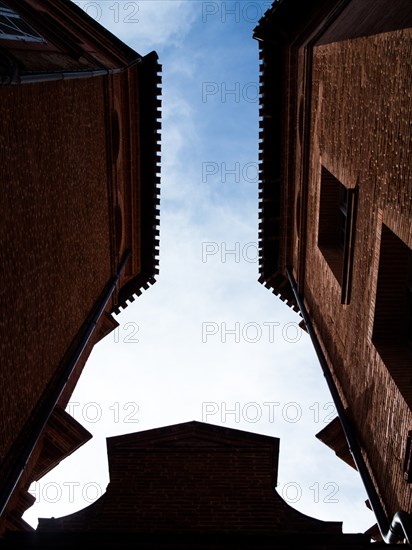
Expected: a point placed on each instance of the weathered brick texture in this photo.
(55, 232)
(361, 111)
(341, 102)
(80, 188)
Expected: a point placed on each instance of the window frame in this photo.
(391, 333)
(337, 229)
(10, 19)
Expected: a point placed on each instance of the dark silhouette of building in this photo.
(335, 216)
(190, 485)
(79, 156)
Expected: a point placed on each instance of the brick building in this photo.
(190, 485)
(335, 216)
(79, 156)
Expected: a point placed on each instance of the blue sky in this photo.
(207, 342)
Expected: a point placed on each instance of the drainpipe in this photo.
(8, 485)
(401, 525)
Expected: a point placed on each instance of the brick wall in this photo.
(55, 244)
(192, 478)
(361, 112)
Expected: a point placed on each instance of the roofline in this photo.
(285, 27)
(72, 15)
(149, 84)
(195, 425)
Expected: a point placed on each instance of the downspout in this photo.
(15, 77)
(401, 525)
(8, 485)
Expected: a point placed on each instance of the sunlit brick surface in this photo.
(361, 132)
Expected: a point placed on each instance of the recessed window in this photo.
(13, 27)
(393, 308)
(392, 327)
(336, 229)
(342, 214)
(407, 461)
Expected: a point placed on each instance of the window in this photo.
(409, 308)
(336, 230)
(392, 327)
(407, 461)
(342, 214)
(13, 27)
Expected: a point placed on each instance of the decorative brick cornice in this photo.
(149, 86)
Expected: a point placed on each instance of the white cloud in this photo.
(144, 24)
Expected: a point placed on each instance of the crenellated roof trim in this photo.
(271, 128)
(150, 148)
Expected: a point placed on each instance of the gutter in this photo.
(15, 77)
(8, 485)
(400, 527)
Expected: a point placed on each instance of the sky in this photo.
(206, 342)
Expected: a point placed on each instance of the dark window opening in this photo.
(392, 328)
(342, 215)
(336, 230)
(407, 462)
(409, 308)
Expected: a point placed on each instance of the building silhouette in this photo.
(80, 159)
(79, 155)
(190, 485)
(335, 218)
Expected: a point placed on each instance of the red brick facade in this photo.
(193, 485)
(79, 182)
(340, 117)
